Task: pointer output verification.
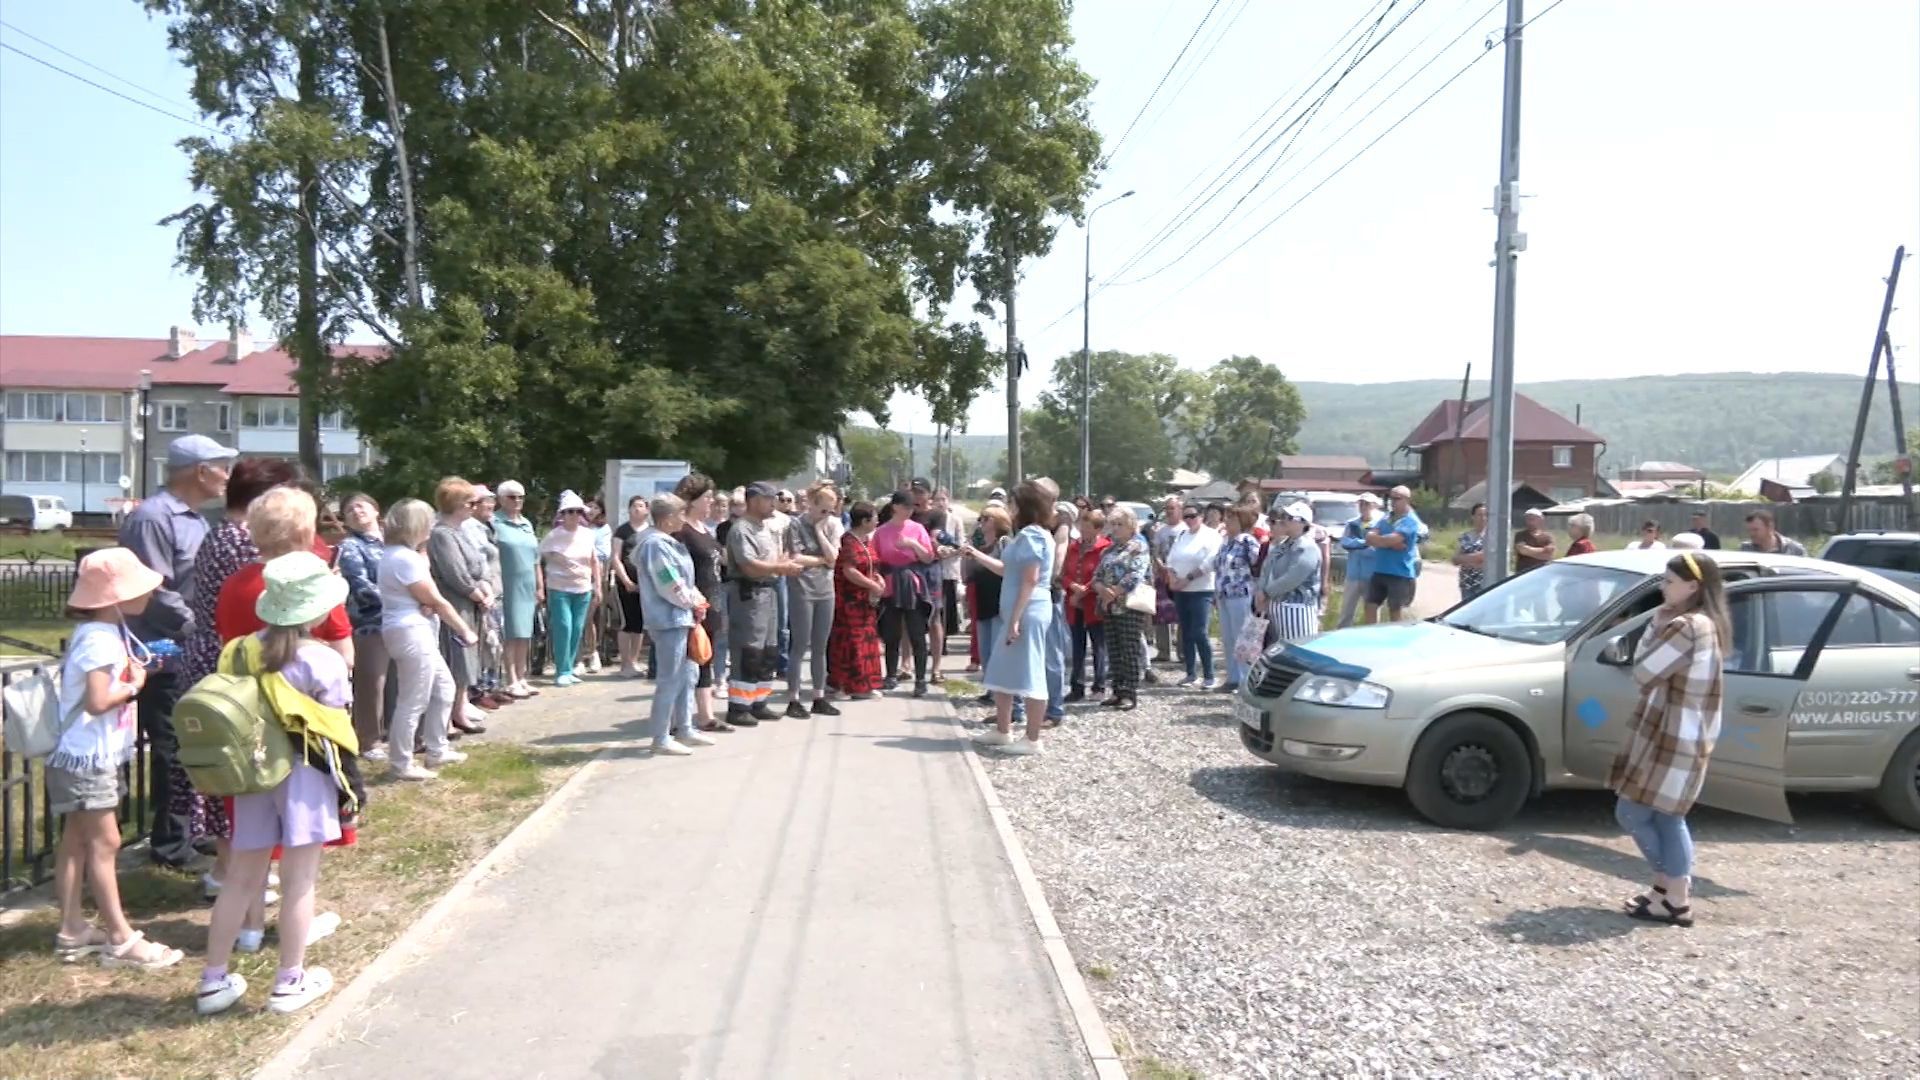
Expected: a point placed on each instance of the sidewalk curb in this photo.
(1086, 1015)
(351, 1001)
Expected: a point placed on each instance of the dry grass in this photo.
(81, 1020)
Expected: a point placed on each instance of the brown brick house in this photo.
(1551, 453)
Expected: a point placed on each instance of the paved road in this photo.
(813, 898)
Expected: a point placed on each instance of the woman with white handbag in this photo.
(1123, 584)
(1289, 593)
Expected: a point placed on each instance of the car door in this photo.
(1863, 697)
(1778, 625)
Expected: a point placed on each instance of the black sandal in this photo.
(1638, 907)
(1673, 916)
(1130, 704)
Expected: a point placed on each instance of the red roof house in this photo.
(1551, 453)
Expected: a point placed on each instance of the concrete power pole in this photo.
(1014, 473)
(1509, 242)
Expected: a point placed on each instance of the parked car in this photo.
(40, 513)
(1528, 686)
(1892, 554)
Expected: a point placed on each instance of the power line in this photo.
(1297, 129)
(1111, 154)
(1436, 92)
(1221, 30)
(108, 89)
(1180, 216)
(1221, 183)
(84, 62)
(1337, 140)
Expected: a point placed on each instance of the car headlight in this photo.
(1346, 693)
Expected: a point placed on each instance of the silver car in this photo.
(1528, 686)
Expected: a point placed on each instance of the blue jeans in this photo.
(986, 632)
(566, 620)
(1663, 838)
(675, 674)
(1234, 612)
(1196, 648)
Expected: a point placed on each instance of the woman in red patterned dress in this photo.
(853, 646)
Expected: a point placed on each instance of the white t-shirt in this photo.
(401, 568)
(1646, 545)
(92, 742)
(1193, 550)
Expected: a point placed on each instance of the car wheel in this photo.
(1470, 771)
(1899, 794)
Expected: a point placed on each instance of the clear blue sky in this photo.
(1714, 187)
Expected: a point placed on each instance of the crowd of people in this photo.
(422, 621)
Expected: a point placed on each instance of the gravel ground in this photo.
(1237, 920)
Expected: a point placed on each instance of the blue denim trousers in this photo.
(1194, 610)
(675, 673)
(1663, 838)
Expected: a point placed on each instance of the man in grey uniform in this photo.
(756, 560)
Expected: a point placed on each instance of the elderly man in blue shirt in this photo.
(165, 532)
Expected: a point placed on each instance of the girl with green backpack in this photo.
(309, 690)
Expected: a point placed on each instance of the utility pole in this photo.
(1014, 473)
(1903, 454)
(1866, 393)
(1086, 354)
(1509, 242)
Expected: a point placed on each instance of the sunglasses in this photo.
(1190, 515)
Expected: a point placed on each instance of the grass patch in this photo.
(963, 689)
(1152, 1068)
(43, 546)
(80, 1020)
(48, 634)
(1100, 971)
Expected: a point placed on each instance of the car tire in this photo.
(1899, 793)
(1470, 771)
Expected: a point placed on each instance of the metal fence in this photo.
(28, 832)
(1798, 520)
(36, 592)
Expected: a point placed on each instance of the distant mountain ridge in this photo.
(1718, 423)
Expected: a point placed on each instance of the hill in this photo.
(1718, 423)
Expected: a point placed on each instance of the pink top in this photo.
(889, 546)
(570, 557)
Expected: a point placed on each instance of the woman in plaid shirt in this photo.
(1659, 771)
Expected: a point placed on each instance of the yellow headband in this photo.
(1691, 565)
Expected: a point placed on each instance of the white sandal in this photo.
(91, 943)
(130, 954)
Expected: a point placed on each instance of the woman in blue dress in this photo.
(1017, 668)
(519, 578)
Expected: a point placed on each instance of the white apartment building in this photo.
(71, 425)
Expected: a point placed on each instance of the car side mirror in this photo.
(1619, 651)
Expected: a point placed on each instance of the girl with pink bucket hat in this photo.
(100, 677)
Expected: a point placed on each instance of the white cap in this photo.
(1369, 497)
(571, 501)
(1299, 511)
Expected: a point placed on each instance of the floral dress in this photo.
(1472, 578)
(853, 645)
(224, 552)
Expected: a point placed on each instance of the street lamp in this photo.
(140, 432)
(1086, 353)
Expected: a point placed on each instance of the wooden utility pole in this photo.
(1459, 426)
(1903, 454)
(1866, 394)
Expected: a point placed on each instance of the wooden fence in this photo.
(1797, 520)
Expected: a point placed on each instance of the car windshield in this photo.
(1332, 512)
(1544, 606)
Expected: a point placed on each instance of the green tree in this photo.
(709, 229)
(877, 458)
(1132, 448)
(1254, 415)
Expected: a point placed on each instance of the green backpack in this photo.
(231, 742)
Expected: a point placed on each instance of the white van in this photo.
(41, 513)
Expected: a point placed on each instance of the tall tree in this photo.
(877, 458)
(1132, 447)
(1253, 416)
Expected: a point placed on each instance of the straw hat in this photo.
(112, 576)
(300, 589)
